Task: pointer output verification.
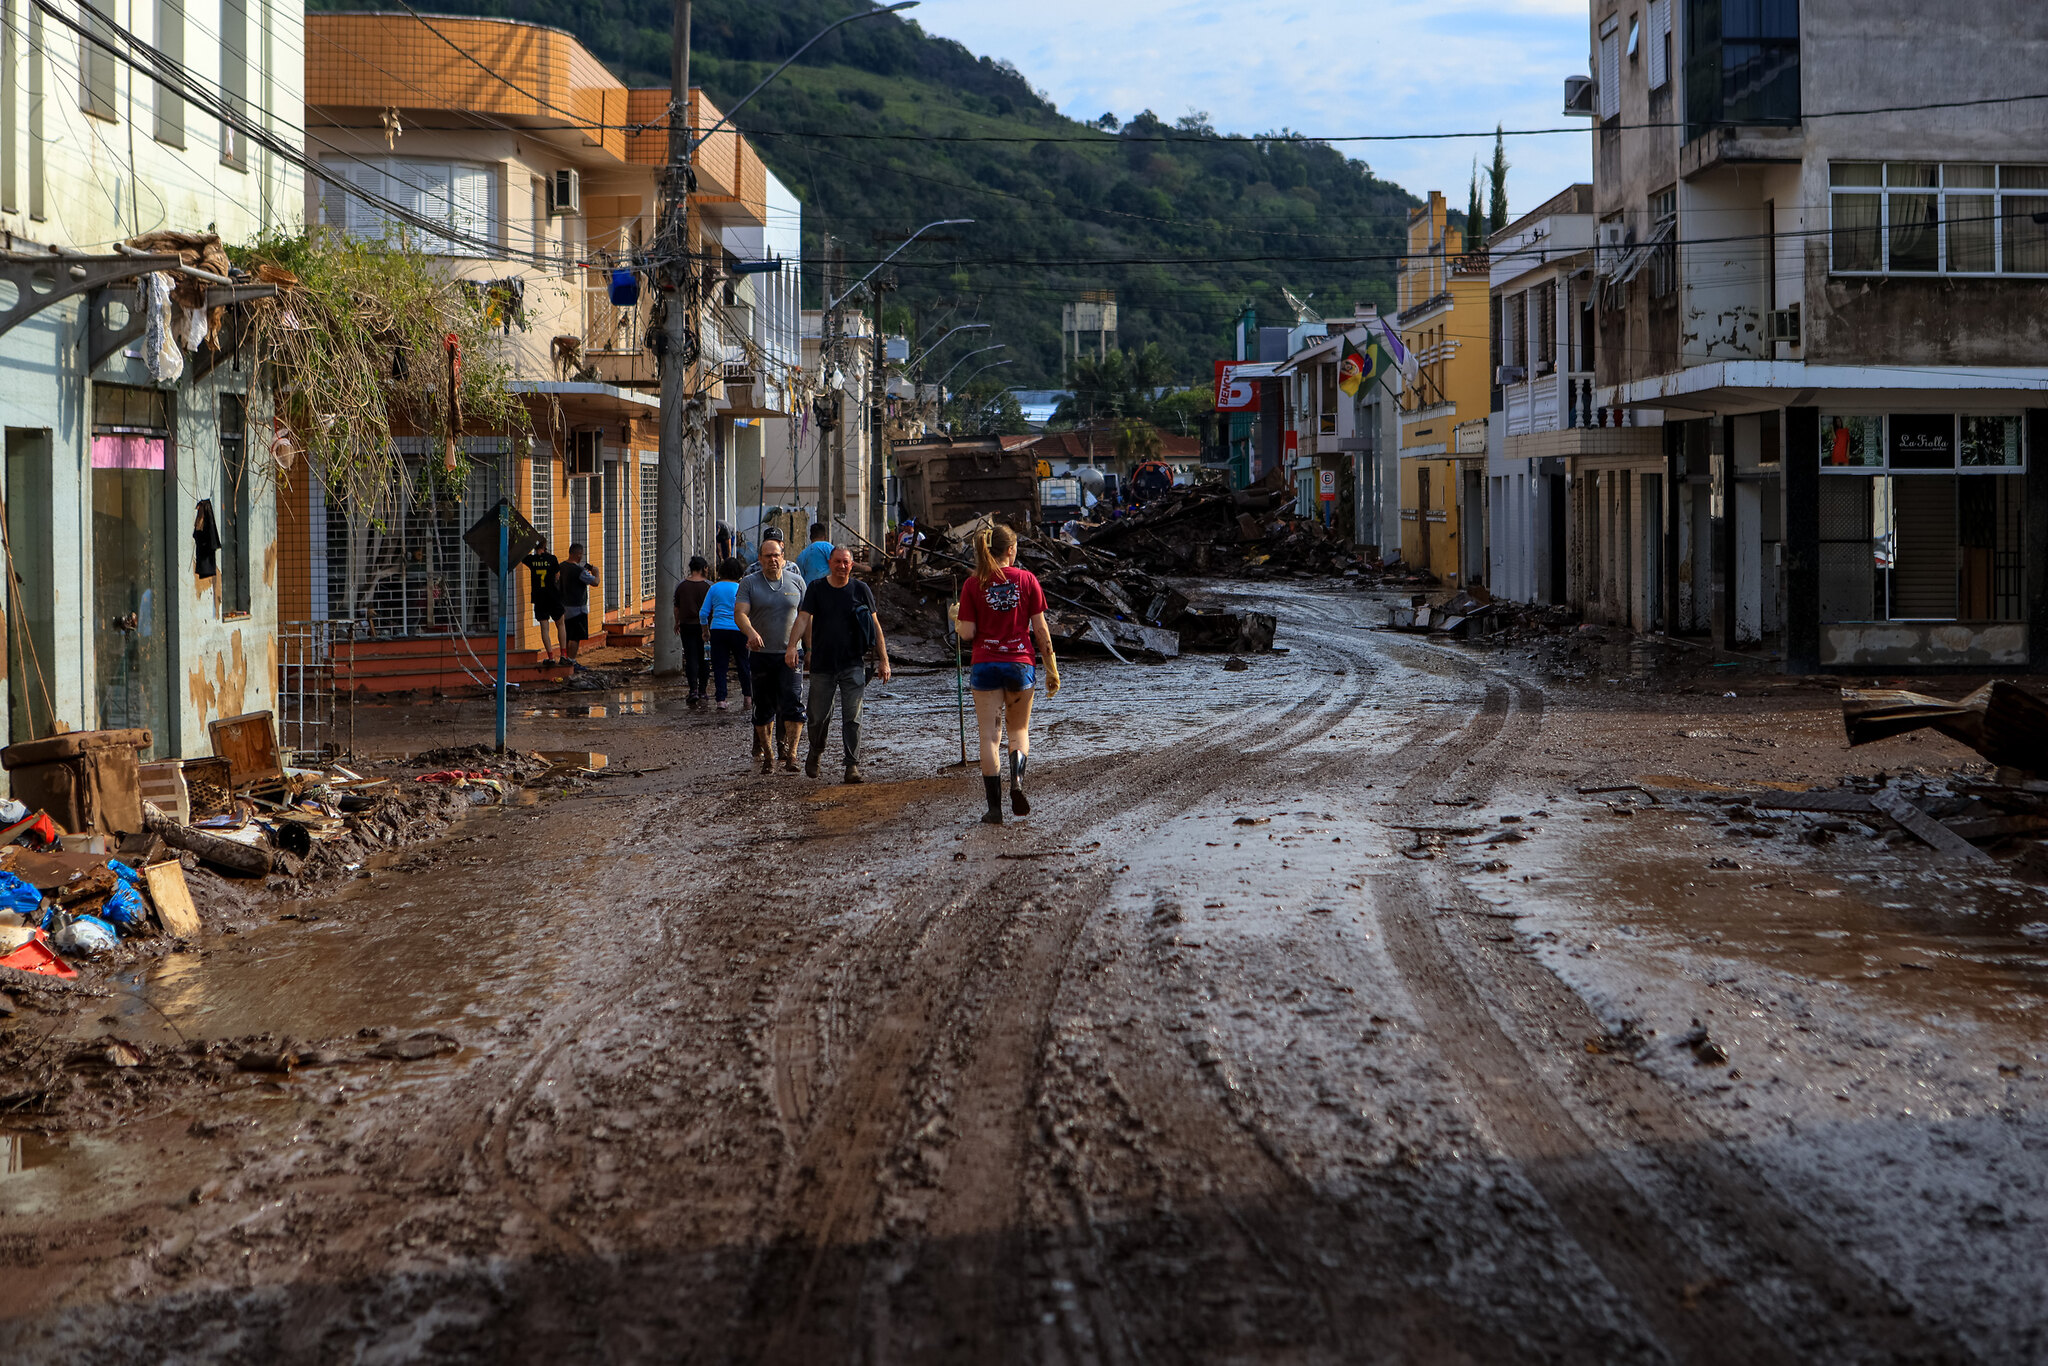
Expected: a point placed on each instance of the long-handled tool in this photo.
(959, 691)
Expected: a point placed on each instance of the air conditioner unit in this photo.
(565, 193)
(1785, 325)
(1578, 96)
(1510, 374)
(586, 452)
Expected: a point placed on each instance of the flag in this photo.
(1362, 368)
(1403, 359)
(1353, 370)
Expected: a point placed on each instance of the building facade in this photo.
(116, 615)
(1442, 298)
(1839, 316)
(1352, 439)
(547, 170)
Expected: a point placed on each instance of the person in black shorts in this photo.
(544, 582)
(576, 578)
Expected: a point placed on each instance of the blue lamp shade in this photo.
(625, 288)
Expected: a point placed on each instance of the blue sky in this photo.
(1392, 66)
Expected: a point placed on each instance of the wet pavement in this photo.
(1392, 1000)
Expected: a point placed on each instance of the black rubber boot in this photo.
(994, 788)
(1019, 803)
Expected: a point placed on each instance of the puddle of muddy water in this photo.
(24, 1152)
(1907, 936)
(635, 702)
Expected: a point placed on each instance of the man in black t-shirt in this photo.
(837, 621)
(545, 584)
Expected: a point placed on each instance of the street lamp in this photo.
(857, 14)
(999, 346)
(941, 223)
(992, 365)
(925, 355)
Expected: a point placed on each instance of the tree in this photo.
(1475, 221)
(1137, 440)
(1116, 384)
(1181, 411)
(1497, 176)
(984, 408)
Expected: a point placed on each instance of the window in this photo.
(235, 502)
(458, 196)
(543, 496)
(1932, 531)
(234, 79)
(1926, 218)
(170, 40)
(37, 209)
(10, 94)
(1635, 37)
(96, 92)
(1543, 326)
(650, 492)
(1660, 44)
(1663, 263)
(1610, 67)
(614, 535)
(1741, 63)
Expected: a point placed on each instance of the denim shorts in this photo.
(1002, 677)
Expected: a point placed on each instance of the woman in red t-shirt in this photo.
(1001, 609)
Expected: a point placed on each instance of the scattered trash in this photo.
(85, 936)
(426, 1044)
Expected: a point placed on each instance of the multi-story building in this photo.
(1575, 491)
(116, 617)
(1352, 439)
(1823, 251)
(1443, 323)
(548, 171)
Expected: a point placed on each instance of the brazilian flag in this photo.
(1360, 369)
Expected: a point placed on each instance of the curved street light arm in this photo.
(925, 354)
(941, 223)
(969, 356)
(700, 140)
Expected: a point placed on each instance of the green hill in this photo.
(1183, 225)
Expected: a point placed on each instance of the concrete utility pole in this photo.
(673, 257)
(878, 445)
(677, 271)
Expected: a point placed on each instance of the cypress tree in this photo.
(1497, 216)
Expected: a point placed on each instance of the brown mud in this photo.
(1255, 1041)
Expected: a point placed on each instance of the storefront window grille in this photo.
(1932, 530)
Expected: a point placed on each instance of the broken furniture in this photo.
(89, 781)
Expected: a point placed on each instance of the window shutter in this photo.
(1660, 42)
(1610, 73)
(473, 204)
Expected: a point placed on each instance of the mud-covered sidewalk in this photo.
(1390, 1000)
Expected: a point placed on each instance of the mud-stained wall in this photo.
(1907, 645)
(225, 691)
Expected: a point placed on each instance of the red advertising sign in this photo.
(1234, 395)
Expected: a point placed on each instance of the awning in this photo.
(1739, 386)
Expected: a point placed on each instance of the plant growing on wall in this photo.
(356, 347)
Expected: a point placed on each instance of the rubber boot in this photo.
(812, 754)
(993, 787)
(1019, 803)
(762, 751)
(790, 731)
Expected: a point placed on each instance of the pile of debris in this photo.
(1208, 529)
(101, 852)
(1097, 601)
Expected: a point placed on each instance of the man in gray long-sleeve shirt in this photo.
(576, 579)
(765, 609)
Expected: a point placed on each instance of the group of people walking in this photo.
(766, 624)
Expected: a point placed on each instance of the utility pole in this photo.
(677, 275)
(878, 448)
(832, 462)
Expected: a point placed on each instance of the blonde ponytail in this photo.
(988, 546)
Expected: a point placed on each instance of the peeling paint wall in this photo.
(1933, 644)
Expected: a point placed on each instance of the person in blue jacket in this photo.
(815, 561)
(727, 640)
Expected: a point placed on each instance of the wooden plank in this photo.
(574, 758)
(1928, 830)
(172, 898)
(1844, 803)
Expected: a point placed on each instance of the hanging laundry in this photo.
(205, 541)
(160, 354)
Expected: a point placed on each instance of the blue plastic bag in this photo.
(16, 895)
(124, 908)
(124, 872)
(87, 935)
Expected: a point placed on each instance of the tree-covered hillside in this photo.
(882, 128)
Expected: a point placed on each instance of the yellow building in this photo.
(1442, 319)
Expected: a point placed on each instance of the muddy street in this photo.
(1389, 1000)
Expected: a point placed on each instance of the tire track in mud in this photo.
(1644, 1252)
(970, 1030)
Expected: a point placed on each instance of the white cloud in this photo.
(1399, 66)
